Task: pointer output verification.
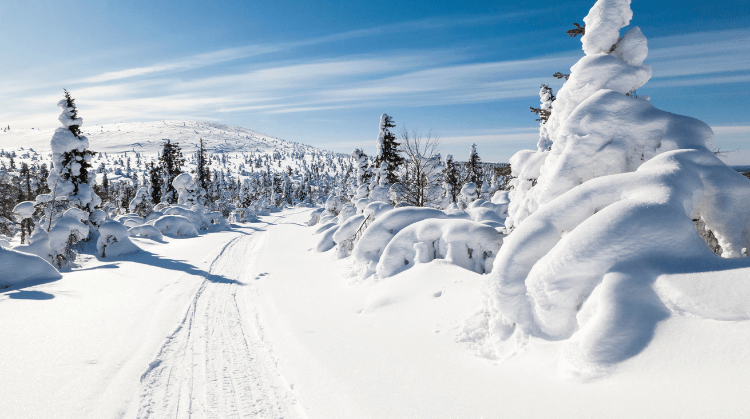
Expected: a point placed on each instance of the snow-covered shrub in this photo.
(346, 211)
(611, 210)
(24, 210)
(315, 216)
(243, 215)
(196, 217)
(19, 268)
(326, 243)
(66, 232)
(188, 192)
(217, 220)
(142, 204)
(468, 194)
(130, 220)
(325, 226)
(368, 249)
(344, 235)
(114, 240)
(176, 225)
(334, 205)
(468, 244)
(145, 230)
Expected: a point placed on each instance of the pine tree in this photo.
(545, 109)
(202, 170)
(71, 159)
(154, 175)
(171, 162)
(388, 149)
(474, 167)
(451, 178)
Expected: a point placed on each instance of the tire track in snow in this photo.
(215, 364)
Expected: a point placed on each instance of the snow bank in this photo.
(21, 268)
(176, 225)
(114, 240)
(146, 230)
(468, 244)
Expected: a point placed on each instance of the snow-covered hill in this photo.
(147, 137)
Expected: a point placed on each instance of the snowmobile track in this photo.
(216, 364)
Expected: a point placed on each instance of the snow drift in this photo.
(21, 268)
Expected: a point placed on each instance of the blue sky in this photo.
(322, 73)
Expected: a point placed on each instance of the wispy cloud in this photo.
(232, 54)
(396, 78)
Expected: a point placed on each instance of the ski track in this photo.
(216, 363)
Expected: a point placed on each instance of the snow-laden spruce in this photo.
(71, 159)
(612, 206)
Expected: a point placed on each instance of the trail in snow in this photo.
(215, 365)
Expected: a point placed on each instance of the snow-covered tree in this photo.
(474, 167)
(71, 160)
(451, 179)
(171, 162)
(612, 209)
(387, 151)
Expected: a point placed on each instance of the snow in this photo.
(467, 244)
(114, 240)
(146, 230)
(368, 249)
(102, 341)
(603, 24)
(175, 225)
(617, 203)
(21, 269)
(24, 210)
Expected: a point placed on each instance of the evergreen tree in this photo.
(388, 149)
(171, 162)
(155, 178)
(71, 159)
(451, 178)
(202, 170)
(474, 167)
(545, 109)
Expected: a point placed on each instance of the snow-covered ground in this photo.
(147, 137)
(253, 323)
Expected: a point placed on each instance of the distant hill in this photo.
(147, 137)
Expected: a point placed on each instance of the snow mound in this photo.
(20, 268)
(146, 230)
(464, 243)
(176, 225)
(200, 222)
(368, 249)
(114, 240)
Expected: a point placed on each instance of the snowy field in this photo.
(253, 323)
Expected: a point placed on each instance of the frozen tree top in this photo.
(603, 24)
(66, 117)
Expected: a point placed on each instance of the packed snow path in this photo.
(216, 365)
